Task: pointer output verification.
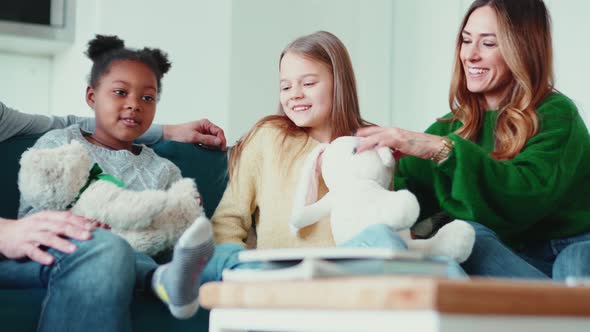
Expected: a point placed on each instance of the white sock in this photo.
(177, 283)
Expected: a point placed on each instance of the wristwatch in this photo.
(444, 152)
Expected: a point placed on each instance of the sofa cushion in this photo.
(11, 150)
(207, 167)
(20, 310)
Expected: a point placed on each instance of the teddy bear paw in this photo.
(455, 240)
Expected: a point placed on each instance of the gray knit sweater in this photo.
(139, 172)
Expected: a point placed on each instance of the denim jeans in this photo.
(145, 266)
(557, 258)
(88, 290)
(374, 236)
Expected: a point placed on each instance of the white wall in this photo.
(195, 34)
(571, 29)
(225, 56)
(24, 81)
(262, 28)
(424, 37)
(71, 67)
(424, 44)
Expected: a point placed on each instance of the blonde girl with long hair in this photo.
(318, 103)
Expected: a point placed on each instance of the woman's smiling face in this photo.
(485, 69)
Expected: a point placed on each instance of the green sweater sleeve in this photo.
(514, 195)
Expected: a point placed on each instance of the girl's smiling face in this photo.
(124, 103)
(306, 94)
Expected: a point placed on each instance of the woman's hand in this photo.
(403, 142)
(22, 238)
(201, 131)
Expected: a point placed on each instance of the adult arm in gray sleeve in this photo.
(13, 122)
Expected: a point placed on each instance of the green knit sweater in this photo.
(542, 193)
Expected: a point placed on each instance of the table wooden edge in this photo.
(476, 296)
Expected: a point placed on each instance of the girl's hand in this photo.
(22, 238)
(403, 142)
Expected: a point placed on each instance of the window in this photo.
(36, 26)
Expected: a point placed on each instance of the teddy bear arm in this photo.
(181, 209)
(310, 214)
(119, 208)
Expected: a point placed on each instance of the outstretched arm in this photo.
(509, 196)
(404, 142)
(13, 123)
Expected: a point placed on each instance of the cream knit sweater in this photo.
(264, 185)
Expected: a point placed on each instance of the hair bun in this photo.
(103, 44)
(160, 57)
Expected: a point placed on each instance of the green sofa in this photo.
(19, 308)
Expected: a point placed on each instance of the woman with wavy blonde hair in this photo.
(512, 157)
(524, 39)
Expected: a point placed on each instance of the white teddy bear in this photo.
(358, 197)
(151, 220)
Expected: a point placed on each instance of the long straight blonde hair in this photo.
(524, 39)
(345, 117)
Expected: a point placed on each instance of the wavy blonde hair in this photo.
(345, 117)
(524, 39)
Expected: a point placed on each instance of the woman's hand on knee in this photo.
(22, 238)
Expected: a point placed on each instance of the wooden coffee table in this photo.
(387, 303)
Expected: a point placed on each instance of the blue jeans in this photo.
(374, 236)
(88, 290)
(557, 259)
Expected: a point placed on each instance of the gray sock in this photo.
(177, 283)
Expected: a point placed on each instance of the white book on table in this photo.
(304, 270)
(335, 253)
(311, 263)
